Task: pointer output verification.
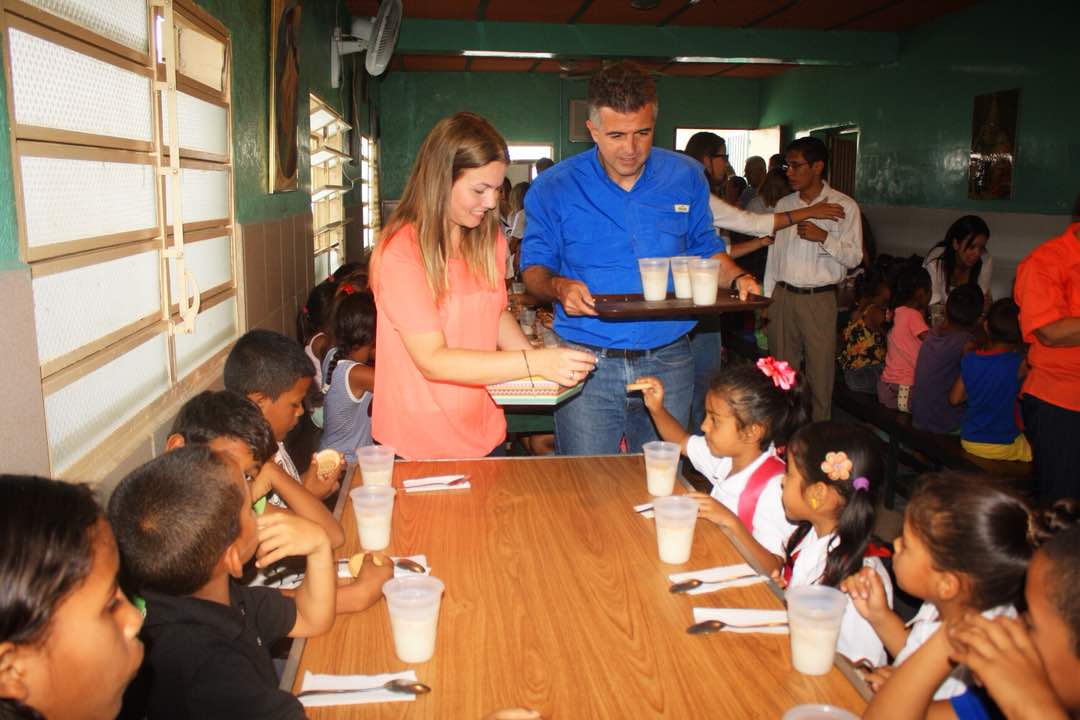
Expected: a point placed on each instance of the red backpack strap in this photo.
(748, 499)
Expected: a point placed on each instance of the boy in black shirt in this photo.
(185, 527)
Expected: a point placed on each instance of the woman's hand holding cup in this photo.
(566, 366)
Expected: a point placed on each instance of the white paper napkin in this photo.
(743, 616)
(343, 566)
(644, 510)
(434, 482)
(342, 682)
(716, 578)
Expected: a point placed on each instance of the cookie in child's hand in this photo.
(357, 561)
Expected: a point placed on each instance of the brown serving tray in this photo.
(628, 306)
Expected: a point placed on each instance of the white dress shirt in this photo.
(925, 623)
(771, 528)
(729, 217)
(806, 264)
(858, 639)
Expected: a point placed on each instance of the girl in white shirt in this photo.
(834, 471)
(964, 549)
(749, 410)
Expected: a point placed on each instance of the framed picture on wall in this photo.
(993, 145)
(284, 94)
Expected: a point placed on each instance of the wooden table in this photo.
(556, 600)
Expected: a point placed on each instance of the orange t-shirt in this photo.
(1048, 289)
(422, 418)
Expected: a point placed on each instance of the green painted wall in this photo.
(9, 233)
(533, 108)
(249, 23)
(915, 117)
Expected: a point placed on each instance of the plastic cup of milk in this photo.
(704, 278)
(661, 464)
(680, 273)
(374, 507)
(413, 604)
(376, 464)
(814, 615)
(654, 272)
(675, 516)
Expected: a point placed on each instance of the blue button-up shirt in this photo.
(583, 226)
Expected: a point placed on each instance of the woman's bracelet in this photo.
(790, 221)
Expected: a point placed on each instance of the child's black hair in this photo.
(47, 532)
(973, 526)
(46, 550)
(211, 415)
(174, 517)
(868, 284)
(908, 279)
(314, 317)
(964, 305)
(354, 326)
(266, 362)
(755, 399)
(1003, 322)
(1063, 552)
(807, 450)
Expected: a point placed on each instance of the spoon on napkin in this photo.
(692, 583)
(399, 685)
(708, 626)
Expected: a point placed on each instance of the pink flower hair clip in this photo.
(837, 466)
(861, 483)
(782, 374)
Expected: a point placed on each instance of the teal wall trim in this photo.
(9, 228)
(811, 47)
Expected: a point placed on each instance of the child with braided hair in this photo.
(750, 410)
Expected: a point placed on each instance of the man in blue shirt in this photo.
(590, 218)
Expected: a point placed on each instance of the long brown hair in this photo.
(457, 143)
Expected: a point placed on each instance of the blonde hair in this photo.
(457, 143)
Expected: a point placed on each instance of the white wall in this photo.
(904, 230)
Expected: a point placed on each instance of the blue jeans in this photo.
(706, 346)
(594, 420)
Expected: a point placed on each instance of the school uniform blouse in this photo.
(925, 623)
(423, 418)
(857, 637)
(771, 528)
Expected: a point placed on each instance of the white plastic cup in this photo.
(374, 508)
(654, 274)
(680, 273)
(818, 712)
(661, 465)
(376, 464)
(413, 603)
(675, 517)
(704, 280)
(814, 615)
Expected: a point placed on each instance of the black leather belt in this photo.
(806, 291)
(624, 353)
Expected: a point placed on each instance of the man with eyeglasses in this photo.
(806, 264)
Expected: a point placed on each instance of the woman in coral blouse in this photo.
(443, 329)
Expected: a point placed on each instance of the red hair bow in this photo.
(782, 374)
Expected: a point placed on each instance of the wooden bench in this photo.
(932, 451)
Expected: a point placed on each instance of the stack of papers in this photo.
(531, 391)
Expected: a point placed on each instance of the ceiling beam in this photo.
(754, 45)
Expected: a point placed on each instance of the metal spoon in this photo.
(692, 583)
(410, 564)
(399, 685)
(708, 626)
